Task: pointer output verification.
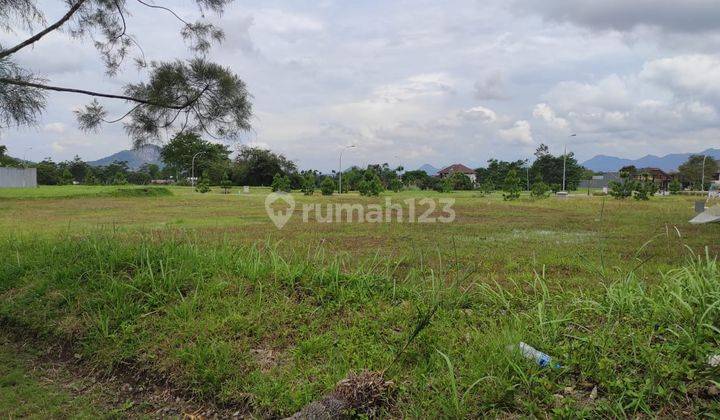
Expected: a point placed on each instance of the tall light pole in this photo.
(192, 170)
(27, 149)
(340, 168)
(565, 160)
(702, 183)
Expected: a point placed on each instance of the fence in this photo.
(18, 177)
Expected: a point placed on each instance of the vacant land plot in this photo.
(203, 291)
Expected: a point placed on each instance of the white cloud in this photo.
(479, 113)
(284, 22)
(693, 75)
(55, 127)
(519, 133)
(546, 113)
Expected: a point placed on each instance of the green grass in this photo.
(204, 291)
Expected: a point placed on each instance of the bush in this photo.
(327, 186)
(370, 184)
(675, 186)
(280, 183)
(539, 190)
(623, 189)
(442, 185)
(308, 185)
(203, 186)
(460, 182)
(645, 188)
(487, 187)
(395, 185)
(512, 186)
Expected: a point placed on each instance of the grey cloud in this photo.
(491, 87)
(625, 15)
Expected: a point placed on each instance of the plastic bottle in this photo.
(539, 357)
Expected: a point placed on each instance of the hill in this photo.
(604, 163)
(429, 169)
(134, 158)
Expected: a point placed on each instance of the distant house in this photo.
(659, 177)
(458, 167)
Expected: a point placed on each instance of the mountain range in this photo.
(135, 158)
(668, 163)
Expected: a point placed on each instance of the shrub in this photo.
(539, 190)
(327, 186)
(395, 185)
(487, 187)
(623, 189)
(226, 185)
(203, 186)
(675, 186)
(308, 185)
(280, 183)
(370, 184)
(442, 185)
(645, 188)
(460, 182)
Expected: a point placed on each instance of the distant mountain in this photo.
(603, 163)
(134, 158)
(429, 169)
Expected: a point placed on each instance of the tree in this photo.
(675, 186)
(280, 183)
(631, 170)
(549, 169)
(623, 189)
(151, 169)
(497, 171)
(226, 184)
(487, 187)
(308, 185)
(415, 178)
(5, 159)
(692, 171)
(65, 177)
(442, 185)
(395, 185)
(178, 96)
(254, 166)
(645, 187)
(327, 186)
(371, 184)
(512, 186)
(178, 154)
(539, 189)
(461, 182)
(203, 185)
(47, 172)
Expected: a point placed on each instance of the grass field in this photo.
(204, 291)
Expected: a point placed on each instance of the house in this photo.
(659, 177)
(458, 167)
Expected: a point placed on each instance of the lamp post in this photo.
(192, 170)
(340, 168)
(702, 183)
(27, 149)
(565, 160)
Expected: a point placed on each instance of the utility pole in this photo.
(702, 183)
(340, 166)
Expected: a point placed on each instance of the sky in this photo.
(414, 82)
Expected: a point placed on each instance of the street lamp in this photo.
(564, 161)
(27, 149)
(192, 170)
(340, 168)
(702, 183)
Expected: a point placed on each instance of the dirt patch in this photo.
(129, 392)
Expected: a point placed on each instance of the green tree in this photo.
(226, 184)
(119, 179)
(623, 189)
(645, 187)
(280, 183)
(203, 186)
(178, 154)
(549, 169)
(308, 185)
(194, 95)
(539, 189)
(371, 184)
(395, 185)
(47, 172)
(692, 171)
(65, 177)
(415, 178)
(512, 186)
(675, 186)
(327, 186)
(460, 182)
(487, 187)
(5, 159)
(254, 166)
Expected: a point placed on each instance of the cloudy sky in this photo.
(413, 81)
